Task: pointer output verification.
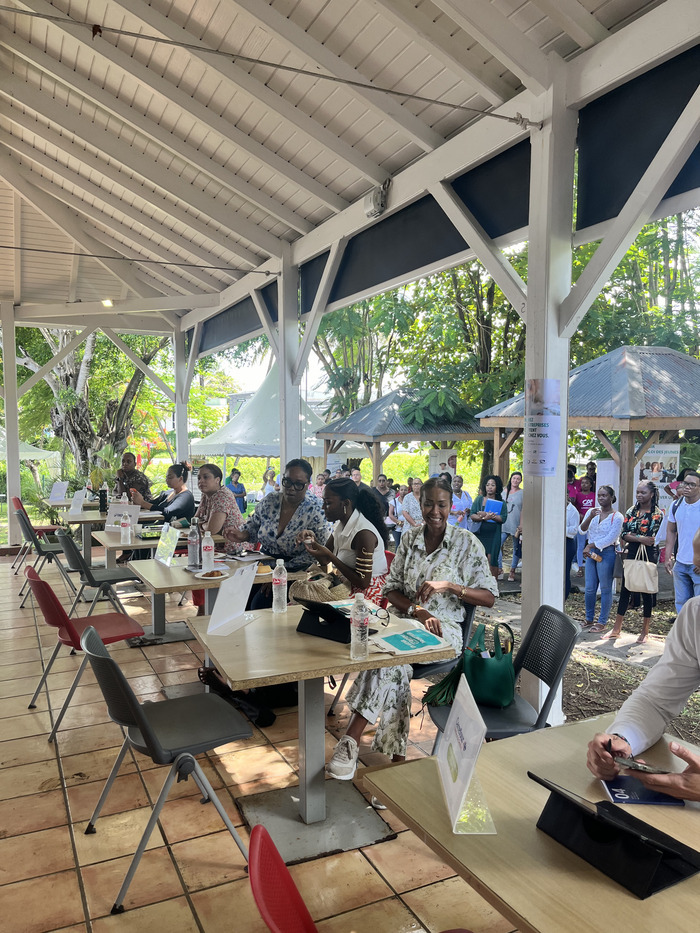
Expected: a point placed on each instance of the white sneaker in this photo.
(343, 764)
(377, 804)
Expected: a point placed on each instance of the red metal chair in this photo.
(40, 530)
(277, 897)
(111, 627)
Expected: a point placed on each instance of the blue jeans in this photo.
(517, 550)
(570, 552)
(686, 583)
(580, 545)
(600, 574)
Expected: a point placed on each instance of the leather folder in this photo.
(626, 849)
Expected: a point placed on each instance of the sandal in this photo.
(211, 678)
(596, 629)
(511, 577)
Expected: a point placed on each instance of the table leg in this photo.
(158, 614)
(209, 599)
(110, 559)
(87, 543)
(312, 751)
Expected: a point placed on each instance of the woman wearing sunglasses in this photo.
(277, 522)
(358, 543)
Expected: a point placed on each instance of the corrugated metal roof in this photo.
(382, 419)
(630, 382)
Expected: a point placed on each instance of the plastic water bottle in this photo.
(279, 587)
(125, 498)
(125, 529)
(207, 552)
(193, 560)
(359, 630)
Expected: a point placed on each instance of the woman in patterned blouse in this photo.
(639, 529)
(438, 567)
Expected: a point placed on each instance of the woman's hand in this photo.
(428, 620)
(137, 499)
(315, 548)
(587, 551)
(237, 534)
(431, 587)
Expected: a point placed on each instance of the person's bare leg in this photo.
(616, 630)
(356, 727)
(644, 635)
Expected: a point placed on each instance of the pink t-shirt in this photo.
(584, 501)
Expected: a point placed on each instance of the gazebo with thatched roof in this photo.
(648, 394)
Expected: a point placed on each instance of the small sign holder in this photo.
(229, 609)
(76, 504)
(169, 538)
(456, 757)
(58, 491)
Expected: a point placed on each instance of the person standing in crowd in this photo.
(603, 526)
(489, 532)
(639, 530)
(683, 524)
(591, 473)
(268, 484)
(412, 514)
(584, 500)
(461, 503)
(396, 512)
(572, 522)
(128, 478)
(317, 488)
(572, 484)
(513, 524)
(235, 486)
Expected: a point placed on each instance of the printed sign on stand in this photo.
(169, 538)
(542, 426)
(76, 504)
(457, 753)
(229, 609)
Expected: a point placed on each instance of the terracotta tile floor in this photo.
(191, 878)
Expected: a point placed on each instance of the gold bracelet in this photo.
(462, 592)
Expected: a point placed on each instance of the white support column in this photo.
(9, 363)
(547, 354)
(288, 347)
(181, 393)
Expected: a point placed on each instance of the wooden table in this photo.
(536, 883)
(91, 517)
(269, 650)
(111, 542)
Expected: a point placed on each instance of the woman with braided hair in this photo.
(639, 529)
(356, 547)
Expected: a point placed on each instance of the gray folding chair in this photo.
(45, 551)
(171, 733)
(101, 579)
(544, 652)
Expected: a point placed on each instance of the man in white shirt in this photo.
(682, 526)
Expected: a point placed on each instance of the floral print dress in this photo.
(384, 694)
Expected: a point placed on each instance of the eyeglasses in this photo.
(684, 482)
(292, 484)
(381, 615)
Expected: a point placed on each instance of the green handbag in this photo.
(491, 679)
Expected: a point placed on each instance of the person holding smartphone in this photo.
(658, 699)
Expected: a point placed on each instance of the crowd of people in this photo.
(347, 526)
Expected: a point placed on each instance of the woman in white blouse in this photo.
(603, 526)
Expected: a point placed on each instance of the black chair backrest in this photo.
(28, 533)
(467, 623)
(546, 648)
(122, 705)
(74, 558)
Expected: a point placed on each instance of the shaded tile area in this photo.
(192, 876)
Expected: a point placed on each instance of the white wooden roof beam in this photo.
(313, 321)
(132, 324)
(271, 331)
(670, 158)
(52, 363)
(191, 361)
(122, 151)
(487, 252)
(126, 306)
(143, 124)
(447, 49)
(139, 364)
(111, 172)
(575, 20)
(237, 75)
(671, 28)
(17, 242)
(60, 215)
(138, 240)
(386, 106)
(502, 39)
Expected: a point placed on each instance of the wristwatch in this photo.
(411, 611)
